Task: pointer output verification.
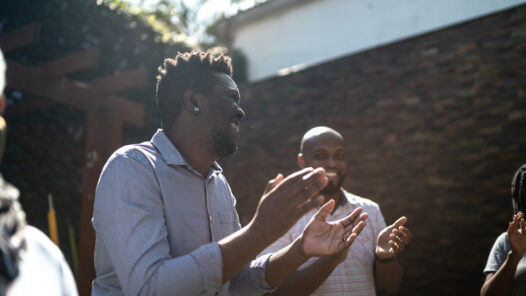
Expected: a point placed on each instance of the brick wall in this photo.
(434, 126)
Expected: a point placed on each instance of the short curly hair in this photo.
(186, 71)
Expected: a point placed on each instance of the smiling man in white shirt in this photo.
(372, 257)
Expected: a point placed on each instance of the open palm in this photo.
(517, 234)
(322, 238)
(393, 239)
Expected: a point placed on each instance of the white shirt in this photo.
(43, 269)
(355, 275)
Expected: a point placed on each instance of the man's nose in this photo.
(331, 162)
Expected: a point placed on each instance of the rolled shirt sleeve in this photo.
(251, 280)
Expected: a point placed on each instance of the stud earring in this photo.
(196, 109)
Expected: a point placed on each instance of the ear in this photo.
(301, 161)
(191, 102)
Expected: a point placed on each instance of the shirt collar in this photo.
(350, 201)
(172, 156)
(345, 203)
(346, 197)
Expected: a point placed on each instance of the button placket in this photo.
(210, 221)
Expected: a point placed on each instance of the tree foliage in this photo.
(45, 148)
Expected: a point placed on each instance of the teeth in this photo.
(331, 174)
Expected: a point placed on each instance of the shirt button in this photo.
(210, 218)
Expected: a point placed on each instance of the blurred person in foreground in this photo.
(372, 257)
(506, 267)
(30, 263)
(165, 216)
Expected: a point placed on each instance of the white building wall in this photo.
(317, 31)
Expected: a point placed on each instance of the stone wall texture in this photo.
(434, 127)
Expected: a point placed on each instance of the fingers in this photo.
(516, 224)
(298, 188)
(512, 226)
(325, 210)
(311, 184)
(350, 226)
(400, 236)
(404, 233)
(295, 177)
(351, 218)
(301, 189)
(401, 221)
(355, 232)
(302, 185)
(359, 227)
(273, 183)
(399, 239)
(520, 221)
(308, 186)
(309, 205)
(396, 247)
(350, 240)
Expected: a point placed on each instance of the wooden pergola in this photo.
(106, 112)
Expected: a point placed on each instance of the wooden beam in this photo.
(131, 79)
(103, 137)
(71, 63)
(72, 93)
(126, 110)
(105, 117)
(95, 150)
(29, 105)
(22, 77)
(34, 81)
(21, 37)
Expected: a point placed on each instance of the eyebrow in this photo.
(319, 150)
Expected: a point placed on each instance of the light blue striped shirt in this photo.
(157, 221)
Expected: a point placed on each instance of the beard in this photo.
(332, 188)
(223, 143)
